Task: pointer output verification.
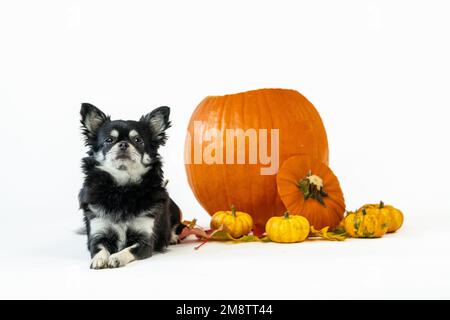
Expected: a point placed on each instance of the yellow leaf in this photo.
(222, 234)
(324, 234)
(190, 224)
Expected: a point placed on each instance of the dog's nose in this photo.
(123, 145)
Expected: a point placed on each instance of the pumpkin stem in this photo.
(286, 215)
(381, 204)
(233, 210)
(312, 187)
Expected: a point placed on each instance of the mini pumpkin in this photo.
(237, 223)
(394, 215)
(366, 223)
(288, 228)
(309, 188)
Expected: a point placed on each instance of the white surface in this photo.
(377, 71)
(413, 263)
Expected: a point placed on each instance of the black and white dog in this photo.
(128, 213)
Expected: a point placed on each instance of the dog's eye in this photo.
(138, 140)
(109, 140)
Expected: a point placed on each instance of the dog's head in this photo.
(125, 149)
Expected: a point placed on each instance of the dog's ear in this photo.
(158, 120)
(92, 119)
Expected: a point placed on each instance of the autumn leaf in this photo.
(214, 234)
(220, 234)
(223, 234)
(253, 238)
(191, 228)
(324, 234)
(190, 224)
(340, 230)
(198, 232)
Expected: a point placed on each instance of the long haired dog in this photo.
(128, 213)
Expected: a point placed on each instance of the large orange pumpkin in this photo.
(309, 188)
(216, 184)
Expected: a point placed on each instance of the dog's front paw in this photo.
(99, 263)
(117, 260)
(114, 261)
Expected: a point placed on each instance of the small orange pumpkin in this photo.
(309, 188)
(368, 222)
(287, 229)
(237, 223)
(394, 216)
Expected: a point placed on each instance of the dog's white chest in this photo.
(102, 224)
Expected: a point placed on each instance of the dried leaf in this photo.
(324, 234)
(218, 233)
(190, 224)
(198, 232)
(222, 234)
(191, 228)
(340, 230)
(249, 238)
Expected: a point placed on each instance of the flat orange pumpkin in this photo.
(309, 188)
(217, 185)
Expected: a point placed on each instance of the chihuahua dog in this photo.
(128, 213)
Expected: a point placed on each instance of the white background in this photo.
(377, 71)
